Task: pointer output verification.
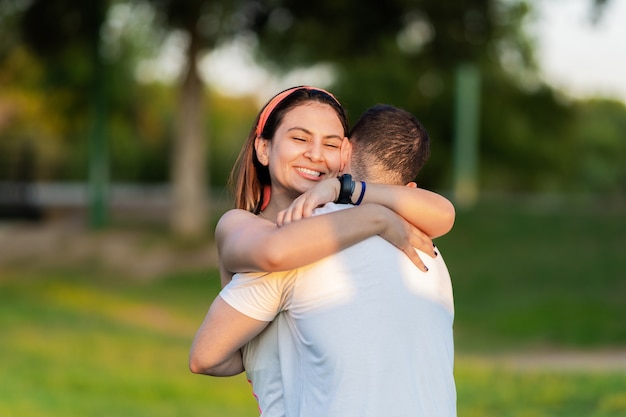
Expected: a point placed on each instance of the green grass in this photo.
(96, 346)
(529, 277)
(485, 390)
(78, 342)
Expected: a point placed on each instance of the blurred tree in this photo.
(406, 53)
(25, 116)
(66, 34)
(41, 85)
(399, 51)
(188, 171)
(599, 147)
(598, 7)
(207, 25)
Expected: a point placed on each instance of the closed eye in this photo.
(334, 144)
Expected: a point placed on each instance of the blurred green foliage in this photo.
(402, 53)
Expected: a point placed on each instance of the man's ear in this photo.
(346, 155)
(261, 146)
(412, 184)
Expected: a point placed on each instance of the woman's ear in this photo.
(261, 146)
(346, 155)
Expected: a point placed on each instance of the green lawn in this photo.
(529, 276)
(78, 343)
(74, 345)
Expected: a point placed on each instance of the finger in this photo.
(423, 242)
(425, 246)
(307, 209)
(415, 258)
(288, 215)
(296, 211)
(280, 218)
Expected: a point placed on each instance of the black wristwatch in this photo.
(346, 189)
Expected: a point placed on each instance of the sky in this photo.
(579, 58)
(575, 56)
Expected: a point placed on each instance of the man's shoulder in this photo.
(260, 278)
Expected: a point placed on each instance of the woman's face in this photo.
(306, 148)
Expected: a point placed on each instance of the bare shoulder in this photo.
(231, 218)
(237, 220)
(234, 215)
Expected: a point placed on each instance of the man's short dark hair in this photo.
(388, 144)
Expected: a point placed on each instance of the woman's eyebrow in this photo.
(308, 132)
(299, 128)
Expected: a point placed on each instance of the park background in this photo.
(114, 155)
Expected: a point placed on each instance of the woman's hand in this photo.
(406, 237)
(303, 206)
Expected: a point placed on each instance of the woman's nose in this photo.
(314, 152)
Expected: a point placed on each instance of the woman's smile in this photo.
(307, 172)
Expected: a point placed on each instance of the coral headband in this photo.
(269, 108)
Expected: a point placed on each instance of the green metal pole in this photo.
(98, 152)
(467, 113)
(98, 170)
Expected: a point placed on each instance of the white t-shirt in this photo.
(362, 333)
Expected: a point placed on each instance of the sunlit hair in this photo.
(389, 145)
(249, 176)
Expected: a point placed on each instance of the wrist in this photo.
(377, 216)
(346, 189)
(359, 190)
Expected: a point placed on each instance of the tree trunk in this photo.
(189, 200)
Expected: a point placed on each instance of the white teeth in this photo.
(309, 171)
